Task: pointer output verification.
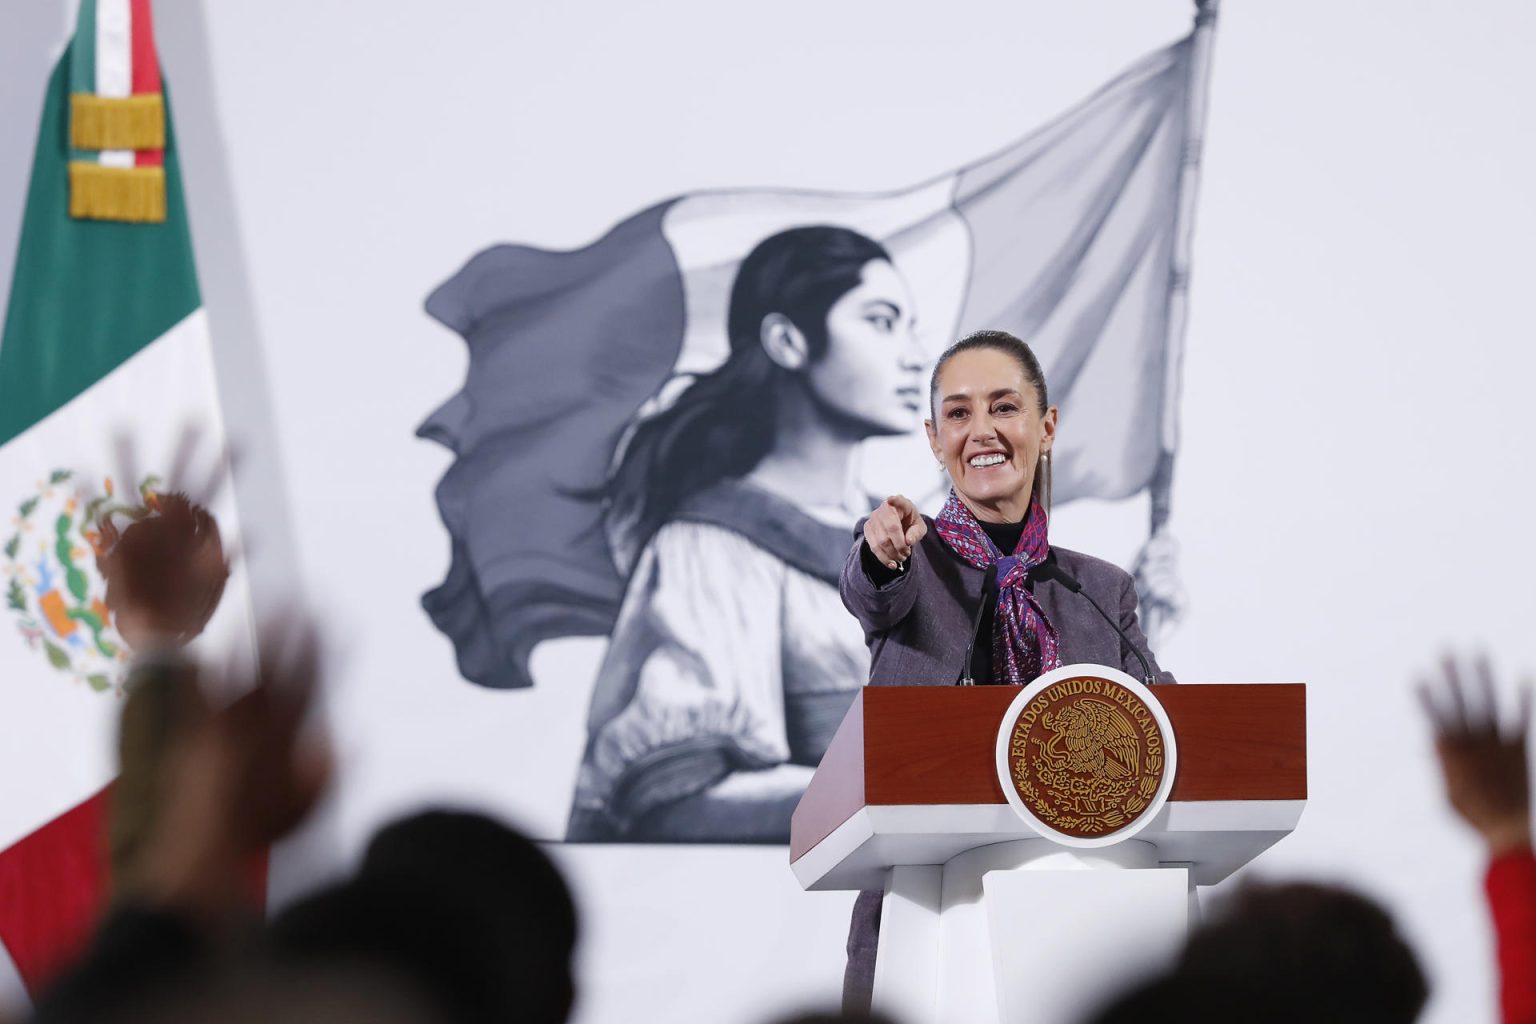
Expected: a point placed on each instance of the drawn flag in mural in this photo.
(1065, 239)
(620, 419)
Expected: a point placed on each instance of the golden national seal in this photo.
(1086, 755)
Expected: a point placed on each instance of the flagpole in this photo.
(1201, 43)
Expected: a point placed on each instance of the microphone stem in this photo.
(1146, 669)
(988, 588)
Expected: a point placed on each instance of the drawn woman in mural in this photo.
(732, 660)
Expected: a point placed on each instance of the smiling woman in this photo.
(917, 585)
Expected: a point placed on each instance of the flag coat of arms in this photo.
(104, 333)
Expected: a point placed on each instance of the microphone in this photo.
(1050, 570)
(988, 586)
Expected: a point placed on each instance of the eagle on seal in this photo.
(1100, 740)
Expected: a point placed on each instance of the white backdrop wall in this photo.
(1351, 492)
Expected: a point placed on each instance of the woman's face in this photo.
(990, 432)
(871, 373)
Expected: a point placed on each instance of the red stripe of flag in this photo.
(146, 68)
(53, 886)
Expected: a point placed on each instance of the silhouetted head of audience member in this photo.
(1332, 953)
(1286, 952)
(470, 913)
(492, 863)
(1175, 999)
(838, 1018)
(257, 993)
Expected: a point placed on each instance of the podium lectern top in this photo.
(910, 778)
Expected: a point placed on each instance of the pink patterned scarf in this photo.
(1024, 643)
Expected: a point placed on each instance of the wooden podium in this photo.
(984, 919)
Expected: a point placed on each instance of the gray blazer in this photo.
(918, 626)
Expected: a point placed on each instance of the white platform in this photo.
(1211, 838)
(1066, 917)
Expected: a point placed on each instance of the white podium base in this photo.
(1025, 931)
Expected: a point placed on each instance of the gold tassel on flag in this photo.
(123, 123)
(117, 122)
(134, 194)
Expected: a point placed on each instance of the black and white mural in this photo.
(665, 438)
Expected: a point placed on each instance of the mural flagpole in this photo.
(1201, 43)
(1162, 596)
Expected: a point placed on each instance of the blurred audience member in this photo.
(474, 914)
(226, 785)
(257, 993)
(1175, 999)
(1285, 953)
(1314, 952)
(1487, 780)
(842, 1017)
(165, 573)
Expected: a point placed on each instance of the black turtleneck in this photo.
(1004, 535)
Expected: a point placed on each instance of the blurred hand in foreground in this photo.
(165, 570)
(236, 781)
(1484, 765)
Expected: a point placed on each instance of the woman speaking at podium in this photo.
(979, 594)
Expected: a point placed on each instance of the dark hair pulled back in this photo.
(996, 341)
(724, 423)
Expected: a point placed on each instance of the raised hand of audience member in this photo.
(224, 784)
(159, 549)
(1483, 762)
(163, 559)
(235, 781)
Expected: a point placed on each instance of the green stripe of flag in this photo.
(82, 69)
(86, 294)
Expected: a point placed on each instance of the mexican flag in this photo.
(104, 335)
